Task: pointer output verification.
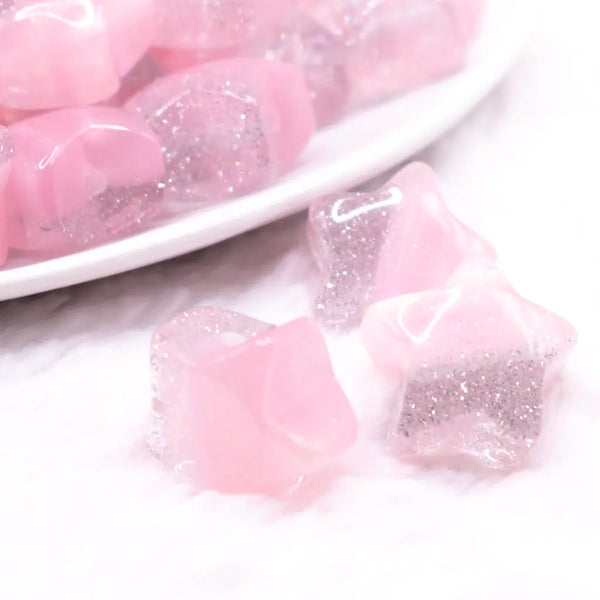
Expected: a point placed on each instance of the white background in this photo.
(86, 513)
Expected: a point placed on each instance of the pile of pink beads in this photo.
(113, 112)
(243, 406)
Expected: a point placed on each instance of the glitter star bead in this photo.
(80, 177)
(227, 127)
(476, 365)
(398, 240)
(6, 150)
(241, 406)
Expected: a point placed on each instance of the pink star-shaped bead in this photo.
(243, 406)
(475, 364)
(227, 127)
(397, 240)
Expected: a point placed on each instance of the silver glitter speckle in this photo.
(212, 134)
(114, 213)
(6, 147)
(488, 407)
(6, 6)
(346, 236)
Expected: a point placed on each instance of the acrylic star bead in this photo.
(6, 150)
(242, 406)
(476, 366)
(397, 240)
(227, 127)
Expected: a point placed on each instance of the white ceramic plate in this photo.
(342, 156)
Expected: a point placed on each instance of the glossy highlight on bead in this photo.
(397, 240)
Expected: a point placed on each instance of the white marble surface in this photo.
(85, 513)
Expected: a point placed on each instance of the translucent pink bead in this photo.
(6, 151)
(215, 24)
(393, 45)
(300, 41)
(81, 177)
(241, 406)
(476, 365)
(397, 240)
(319, 55)
(69, 53)
(227, 127)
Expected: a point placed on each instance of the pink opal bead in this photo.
(6, 151)
(71, 53)
(393, 45)
(476, 365)
(81, 177)
(397, 240)
(213, 24)
(227, 127)
(242, 406)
